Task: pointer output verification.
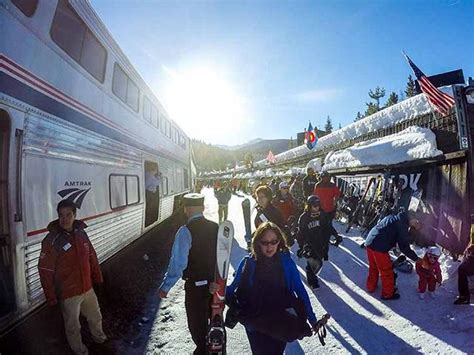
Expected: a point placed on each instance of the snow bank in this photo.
(407, 109)
(410, 144)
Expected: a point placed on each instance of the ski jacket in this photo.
(68, 264)
(309, 181)
(427, 270)
(292, 280)
(286, 205)
(328, 193)
(389, 232)
(271, 214)
(311, 231)
(223, 195)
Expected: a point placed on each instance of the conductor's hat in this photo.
(193, 200)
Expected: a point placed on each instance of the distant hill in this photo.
(218, 157)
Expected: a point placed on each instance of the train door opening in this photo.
(7, 294)
(152, 192)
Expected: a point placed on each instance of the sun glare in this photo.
(203, 102)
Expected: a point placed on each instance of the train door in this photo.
(152, 192)
(7, 294)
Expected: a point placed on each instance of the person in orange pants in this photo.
(389, 232)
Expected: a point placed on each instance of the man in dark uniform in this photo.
(193, 258)
(309, 181)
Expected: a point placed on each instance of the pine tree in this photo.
(371, 109)
(328, 126)
(376, 95)
(340, 126)
(410, 89)
(359, 117)
(249, 159)
(392, 99)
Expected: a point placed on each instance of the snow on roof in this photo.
(410, 144)
(410, 108)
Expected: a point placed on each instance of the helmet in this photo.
(283, 185)
(313, 201)
(435, 251)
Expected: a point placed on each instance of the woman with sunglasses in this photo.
(267, 295)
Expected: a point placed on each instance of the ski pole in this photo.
(322, 332)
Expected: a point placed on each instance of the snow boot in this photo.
(338, 240)
(311, 278)
(395, 296)
(462, 300)
(421, 296)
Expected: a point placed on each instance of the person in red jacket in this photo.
(328, 193)
(68, 267)
(284, 202)
(429, 271)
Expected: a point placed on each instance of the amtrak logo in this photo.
(75, 195)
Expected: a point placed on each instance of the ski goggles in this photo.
(266, 243)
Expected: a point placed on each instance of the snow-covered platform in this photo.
(361, 322)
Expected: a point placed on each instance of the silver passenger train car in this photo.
(76, 121)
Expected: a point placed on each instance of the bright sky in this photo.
(231, 71)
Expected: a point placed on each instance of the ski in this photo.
(353, 218)
(248, 225)
(216, 335)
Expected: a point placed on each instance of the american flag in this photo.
(271, 158)
(441, 101)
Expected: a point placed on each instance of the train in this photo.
(77, 122)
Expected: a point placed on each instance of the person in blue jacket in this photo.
(387, 234)
(268, 296)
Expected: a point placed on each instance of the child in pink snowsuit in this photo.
(429, 271)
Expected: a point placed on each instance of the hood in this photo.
(54, 225)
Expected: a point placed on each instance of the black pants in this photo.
(465, 269)
(197, 303)
(262, 344)
(327, 218)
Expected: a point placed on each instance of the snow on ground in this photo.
(361, 322)
(410, 144)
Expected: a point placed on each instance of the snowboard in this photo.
(216, 335)
(248, 225)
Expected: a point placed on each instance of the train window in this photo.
(124, 190)
(154, 116)
(118, 191)
(164, 186)
(124, 88)
(186, 178)
(133, 195)
(162, 123)
(119, 83)
(71, 34)
(93, 56)
(146, 109)
(133, 95)
(168, 129)
(28, 7)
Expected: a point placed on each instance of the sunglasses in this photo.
(266, 243)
